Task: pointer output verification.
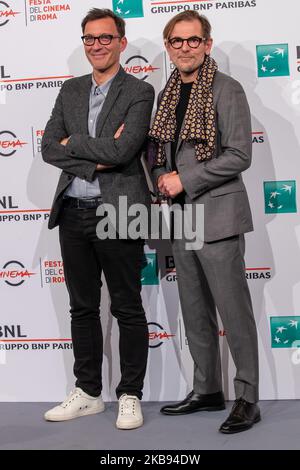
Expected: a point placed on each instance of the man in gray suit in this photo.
(95, 135)
(203, 136)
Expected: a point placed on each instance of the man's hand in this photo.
(170, 184)
(101, 167)
(119, 131)
(64, 141)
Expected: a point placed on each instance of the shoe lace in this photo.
(128, 405)
(71, 397)
(238, 405)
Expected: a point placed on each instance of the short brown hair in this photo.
(188, 15)
(99, 13)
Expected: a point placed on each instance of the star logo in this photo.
(294, 323)
(267, 58)
(128, 8)
(149, 271)
(280, 329)
(280, 197)
(285, 332)
(272, 60)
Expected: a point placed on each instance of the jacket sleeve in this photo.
(234, 128)
(55, 154)
(110, 151)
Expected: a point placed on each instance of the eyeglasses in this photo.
(193, 42)
(104, 39)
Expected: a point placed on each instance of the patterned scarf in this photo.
(199, 123)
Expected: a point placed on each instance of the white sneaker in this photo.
(130, 412)
(77, 404)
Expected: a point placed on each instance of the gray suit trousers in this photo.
(215, 277)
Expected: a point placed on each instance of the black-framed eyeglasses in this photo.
(104, 39)
(193, 42)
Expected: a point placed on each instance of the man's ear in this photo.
(208, 46)
(123, 43)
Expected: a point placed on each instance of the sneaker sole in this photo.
(57, 418)
(129, 426)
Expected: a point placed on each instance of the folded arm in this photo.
(111, 151)
(53, 152)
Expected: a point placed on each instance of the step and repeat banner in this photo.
(255, 41)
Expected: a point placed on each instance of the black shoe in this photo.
(242, 417)
(196, 402)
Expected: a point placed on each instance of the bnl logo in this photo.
(285, 332)
(149, 272)
(272, 60)
(280, 197)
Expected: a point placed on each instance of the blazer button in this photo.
(73, 153)
(69, 177)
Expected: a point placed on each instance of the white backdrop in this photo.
(257, 42)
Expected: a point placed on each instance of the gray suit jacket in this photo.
(217, 183)
(129, 101)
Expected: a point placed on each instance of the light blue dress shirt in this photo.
(80, 188)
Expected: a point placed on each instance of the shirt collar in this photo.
(103, 88)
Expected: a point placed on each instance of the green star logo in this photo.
(149, 272)
(273, 60)
(280, 197)
(285, 332)
(128, 8)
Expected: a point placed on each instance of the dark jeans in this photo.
(85, 256)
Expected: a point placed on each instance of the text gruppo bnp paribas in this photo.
(175, 6)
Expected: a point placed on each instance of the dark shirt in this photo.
(185, 91)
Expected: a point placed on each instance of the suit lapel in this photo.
(179, 138)
(111, 97)
(168, 148)
(179, 143)
(83, 101)
(168, 153)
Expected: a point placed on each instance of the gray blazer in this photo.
(217, 183)
(129, 101)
